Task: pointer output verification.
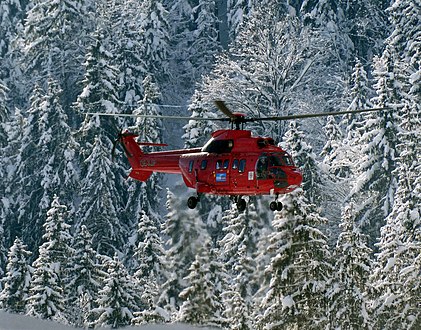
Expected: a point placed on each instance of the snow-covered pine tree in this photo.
(348, 295)
(84, 280)
(48, 149)
(186, 234)
(4, 117)
(300, 269)
(118, 299)
(236, 251)
(201, 306)
(327, 16)
(101, 88)
(57, 147)
(150, 270)
(10, 23)
(237, 312)
(331, 151)
(375, 184)
(396, 278)
(205, 45)
(13, 297)
(127, 35)
(359, 98)
(366, 25)
(154, 24)
(46, 298)
(101, 207)
(104, 187)
(49, 48)
(238, 248)
(237, 12)
(314, 180)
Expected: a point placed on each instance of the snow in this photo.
(287, 302)
(23, 322)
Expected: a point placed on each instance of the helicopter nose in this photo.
(295, 178)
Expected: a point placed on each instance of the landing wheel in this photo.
(192, 202)
(241, 205)
(273, 206)
(276, 206)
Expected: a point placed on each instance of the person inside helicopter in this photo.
(262, 168)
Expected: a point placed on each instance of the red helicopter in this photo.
(232, 162)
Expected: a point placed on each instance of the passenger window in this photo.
(191, 166)
(203, 164)
(226, 163)
(218, 164)
(242, 166)
(235, 164)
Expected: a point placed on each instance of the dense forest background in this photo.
(82, 245)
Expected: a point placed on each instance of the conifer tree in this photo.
(349, 304)
(17, 278)
(304, 158)
(205, 45)
(46, 292)
(186, 234)
(85, 279)
(48, 149)
(197, 132)
(375, 184)
(331, 150)
(396, 285)
(11, 22)
(300, 269)
(238, 248)
(200, 306)
(101, 88)
(359, 98)
(49, 34)
(3, 174)
(100, 208)
(126, 34)
(154, 24)
(150, 270)
(117, 300)
(11, 26)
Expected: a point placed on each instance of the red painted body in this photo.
(232, 162)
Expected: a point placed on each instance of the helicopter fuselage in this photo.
(232, 163)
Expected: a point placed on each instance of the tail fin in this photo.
(134, 154)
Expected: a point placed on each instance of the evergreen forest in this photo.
(82, 245)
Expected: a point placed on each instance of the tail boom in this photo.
(144, 164)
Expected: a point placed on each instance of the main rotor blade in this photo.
(153, 116)
(314, 115)
(224, 109)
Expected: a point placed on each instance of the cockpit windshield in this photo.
(218, 146)
(280, 159)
